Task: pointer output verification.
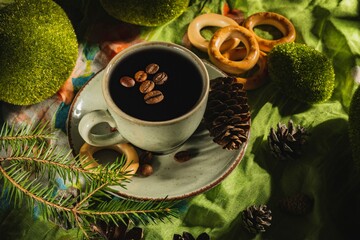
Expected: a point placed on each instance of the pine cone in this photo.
(298, 204)
(287, 141)
(189, 236)
(256, 219)
(227, 115)
(121, 231)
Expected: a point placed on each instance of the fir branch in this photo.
(150, 209)
(52, 162)
(98, 179)
(46, 161)
(29, 159)
(26, 132)
(21, 190)
(89, 195)
(113, 210)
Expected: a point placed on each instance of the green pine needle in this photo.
(25, 133)
(30, 164)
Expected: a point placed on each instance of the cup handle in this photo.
(90, 120)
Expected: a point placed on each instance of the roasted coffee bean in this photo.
(152, 68)
(127, 81)
(182, 156)
(160, 78)
(146, 86)
(146, 170)
(140, 76)
(154, 97)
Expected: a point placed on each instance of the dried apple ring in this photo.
(132, 158)
(276, 20)
(209, 20)
(225, 64)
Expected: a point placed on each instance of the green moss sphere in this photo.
(145, 12)
(354, 126)
(38, 51)
(301, 72)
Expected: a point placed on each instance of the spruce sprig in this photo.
(29, 165)
(25, 133)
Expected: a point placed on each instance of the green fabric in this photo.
(19, 224)
(354, 127)
(325, 171)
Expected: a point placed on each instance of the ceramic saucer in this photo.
(171, 179)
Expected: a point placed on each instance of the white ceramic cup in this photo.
(162, 136)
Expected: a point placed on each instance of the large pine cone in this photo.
(256, 218)
(298, 204)
(286, 141)
(227, 116)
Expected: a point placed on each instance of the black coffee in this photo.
(181, 90)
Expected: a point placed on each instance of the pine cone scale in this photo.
(257, 218)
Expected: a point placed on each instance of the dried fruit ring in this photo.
(207, 20)
(275, 20)
(132, 159)
(256, 79)
(227, 65)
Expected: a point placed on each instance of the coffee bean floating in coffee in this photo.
(160, 78)
(127, 81)
(154, 97)
(140, 76)
(147, 86)
(152, 68)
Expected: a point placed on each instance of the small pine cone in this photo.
(286, 141)
(121, 230)
(256, 218)
(299, 204)
(189, 236)
(227, 115)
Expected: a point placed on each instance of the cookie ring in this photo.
(258, 78)
(207, 20)
(132, 158)
(276, 20)
(227, 65)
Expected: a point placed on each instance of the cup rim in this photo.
(108, 70)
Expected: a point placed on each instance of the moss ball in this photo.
(301, 72)
(145, 12)
(354, 127)
(38, 51)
